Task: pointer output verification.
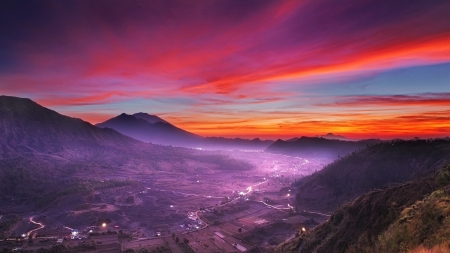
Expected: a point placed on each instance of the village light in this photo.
(104, 225)
(303, 229)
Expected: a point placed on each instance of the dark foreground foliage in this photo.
(404, 218)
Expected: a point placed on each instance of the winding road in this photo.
(41, 226)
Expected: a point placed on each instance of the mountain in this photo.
(27, 126)
(149, 118)
(45, 155)
(150, 128)
(377, 166)
(331, 136)
(293, 139)
(317, 147)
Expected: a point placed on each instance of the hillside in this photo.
(317, 147)
(45, 155)
(375, 167)
(412, 217)
(28, 127)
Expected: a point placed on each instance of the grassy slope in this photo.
(408, 218)
(423, 225)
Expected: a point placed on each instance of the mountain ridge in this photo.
(164, 133)
(371, 168)
(318, 147)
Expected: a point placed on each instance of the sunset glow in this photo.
(267, 69)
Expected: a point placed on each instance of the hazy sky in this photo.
(248, 68)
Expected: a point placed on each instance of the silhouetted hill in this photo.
(408, 216)
(25, 125)
(140, 127)
(150, 128)
(317, 147)
(377, 166)
(331, 136)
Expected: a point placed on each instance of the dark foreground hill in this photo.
(317, 147)
(375, 167)
(391, 197)
(411, 217)
(150, 128)
(44, 155)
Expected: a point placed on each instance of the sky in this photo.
(237, 68)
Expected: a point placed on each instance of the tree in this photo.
(177, 240)
(186, 241)
(240, 230)
(173, 236)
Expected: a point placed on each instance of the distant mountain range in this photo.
(318, 147)
(329, 136)
(151, 128)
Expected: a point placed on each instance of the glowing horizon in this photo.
(267, 69)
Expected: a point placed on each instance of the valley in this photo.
(215, 210)
(69, 186)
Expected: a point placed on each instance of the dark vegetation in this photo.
(408, 217)
(318, 147)
(43, 185)
(404, 207)
(365, 218)
(7, 224)
(378, 166)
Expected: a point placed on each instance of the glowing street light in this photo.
(104, 225)
(303, 229)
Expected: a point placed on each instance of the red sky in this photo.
(268, 69)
